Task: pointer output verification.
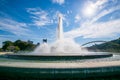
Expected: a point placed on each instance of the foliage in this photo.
(18, 45)
(7, 44)
(1, 50)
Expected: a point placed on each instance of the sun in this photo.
(89, 10)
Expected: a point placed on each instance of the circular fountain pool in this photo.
(19, 68)
(52, 57)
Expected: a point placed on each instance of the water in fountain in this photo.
(61, 45)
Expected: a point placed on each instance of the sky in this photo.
(83, 20)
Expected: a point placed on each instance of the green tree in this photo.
(6, 44)
(29, 46)
(18, 45)
(21, 44)
(1, 50)
(16, 49)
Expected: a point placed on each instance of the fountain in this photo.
(63, 59)
(61, 49)
(61, 45)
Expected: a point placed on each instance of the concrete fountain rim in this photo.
(59, 57)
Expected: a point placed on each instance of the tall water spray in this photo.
(60, 28)
(61, 45)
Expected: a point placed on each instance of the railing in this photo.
(92, 42)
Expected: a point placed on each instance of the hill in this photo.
(110, 46)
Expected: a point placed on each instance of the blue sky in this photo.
(83, 20)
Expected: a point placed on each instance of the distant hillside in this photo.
(110, 46)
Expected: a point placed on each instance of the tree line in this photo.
(18, 45)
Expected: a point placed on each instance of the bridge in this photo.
(92, 42)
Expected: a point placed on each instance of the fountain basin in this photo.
(62, 70)
(52, 57)
(36, 69)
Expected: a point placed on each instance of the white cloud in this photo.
(94, 29)
(105, 12)
(100, 2)
(59, 1)
(103, 29)
(58, 13)
(91, 8)
(14, 27)
(97, 30)
(77, 18)
(40, 17)
(55, 17)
